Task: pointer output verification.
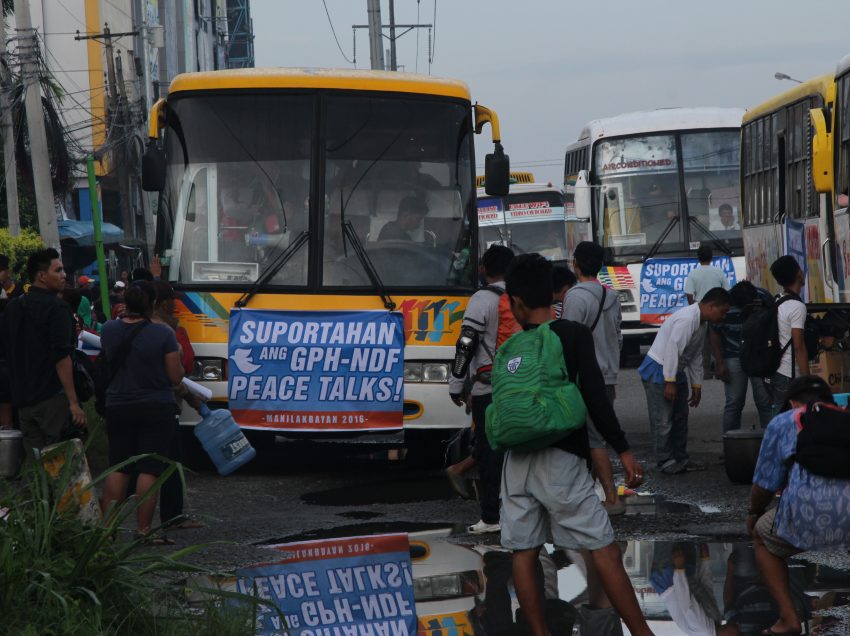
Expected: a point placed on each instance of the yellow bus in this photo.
(784, 213)
(831, 176)
(324, 211)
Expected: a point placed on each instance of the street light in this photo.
(783, 76)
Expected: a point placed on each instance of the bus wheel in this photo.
(630, 354)
(192, 453)
(435, 448)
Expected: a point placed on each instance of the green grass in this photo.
(60, 575)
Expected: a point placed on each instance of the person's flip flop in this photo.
(189, 524)
(151, 539)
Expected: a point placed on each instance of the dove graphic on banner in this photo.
(242, 359)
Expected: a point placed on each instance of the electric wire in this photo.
(330, 22)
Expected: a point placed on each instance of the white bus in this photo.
(529, 219)
(651, 187)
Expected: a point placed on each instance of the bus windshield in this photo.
(241, 187)
(649, 191)
(525, 222)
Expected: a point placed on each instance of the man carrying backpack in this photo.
(804, 454)
(479, 331)
(548, 494)
(726, 348)
(791, 322)
(597, 307)
(677, 348)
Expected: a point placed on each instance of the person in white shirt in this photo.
(791, 318)
(704, 277)
(674, 357)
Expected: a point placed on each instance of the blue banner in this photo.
(662, 285)
(316, 370)
(358, 585)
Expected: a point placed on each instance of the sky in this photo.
(548, 67)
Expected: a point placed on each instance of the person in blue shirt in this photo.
(813, 511)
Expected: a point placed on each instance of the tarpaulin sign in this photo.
(662, 285)
(316, 370)
(357, 585)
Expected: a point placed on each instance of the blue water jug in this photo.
(223, 440)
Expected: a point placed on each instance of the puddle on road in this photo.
(717, 584)
(384, 492)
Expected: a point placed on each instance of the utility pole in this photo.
(11, 168)
(393, 61)
(44, 201)
(122, 118)
(376, 48)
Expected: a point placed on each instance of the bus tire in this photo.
(430, 448)
(194, 457)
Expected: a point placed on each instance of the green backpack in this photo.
(534, 402)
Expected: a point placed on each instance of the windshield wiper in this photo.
(273, 268)
(348, 232)
(655, 246)
(720, 244)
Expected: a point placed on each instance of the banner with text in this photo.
(316, 370)
(662, 285)
(357, 585)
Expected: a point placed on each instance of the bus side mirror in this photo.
(582, 196)
(153, 169)
(821, 152)
(497, 168)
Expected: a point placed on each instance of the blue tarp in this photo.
(82, 232)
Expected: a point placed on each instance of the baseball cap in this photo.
(84, 280)
(811, 384)
(119, 284)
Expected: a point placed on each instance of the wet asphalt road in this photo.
(297, 493)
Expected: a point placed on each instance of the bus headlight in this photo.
(437, 372)
(430, 372)
(625, 296)
(209, 370)
(444, 586)
(413, 372)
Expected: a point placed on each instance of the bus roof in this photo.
(660, 120)
(318, 78)
(816, 86)
(843, 66)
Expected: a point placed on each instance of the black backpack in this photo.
(761, 353)
(823, 440)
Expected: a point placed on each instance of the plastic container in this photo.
(841, 399)
(11, 452)
(740, 453)
(223, 440)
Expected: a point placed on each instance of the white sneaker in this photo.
(482, 528)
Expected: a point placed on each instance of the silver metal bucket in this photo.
(11, 452)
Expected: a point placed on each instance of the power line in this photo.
(434, 42)
(330, 22)
(70, 13)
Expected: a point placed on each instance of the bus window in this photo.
(638, 194)
(710, 161)
(399, 178)
(234, 210)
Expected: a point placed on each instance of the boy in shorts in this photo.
(548, 494)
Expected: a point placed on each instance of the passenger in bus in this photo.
(728, 221)
(410, 223)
